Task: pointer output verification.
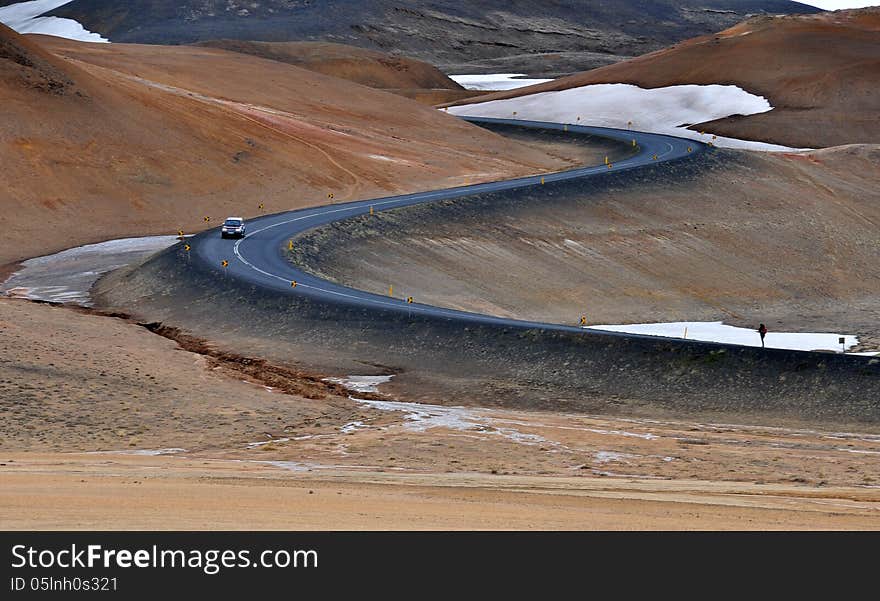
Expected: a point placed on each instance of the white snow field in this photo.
(24, 17)
(67, 276)
(668, 110)
(495, 82)
(361, 383)
(717, 331)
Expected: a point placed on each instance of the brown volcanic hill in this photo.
(24, 64)
(821, 73)
(99, 141)
(366, 67)
(408, 77)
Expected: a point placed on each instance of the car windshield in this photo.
(233, 222)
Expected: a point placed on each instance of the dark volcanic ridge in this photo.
(456, 36)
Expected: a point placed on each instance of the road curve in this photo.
(259, 258)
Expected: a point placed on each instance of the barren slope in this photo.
(790, 240)
(366, 67)
(820, 72)
(101, 142)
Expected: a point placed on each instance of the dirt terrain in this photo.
(400, 75)
(787, 240)
(169, 431)
(109, 140)
(820, 72)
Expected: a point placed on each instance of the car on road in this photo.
(233, 227)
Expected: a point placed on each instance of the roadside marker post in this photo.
(685, 333)
(207, 219)
(371, 211)
(390, 290)
(409, 300)
(225, 264)
(542, 181)
(290, 245)
(583, 320)
(262, 206)
(293, 284)
(330, 196)
(606, 160)
(180, 233)
(842, 342)
(186, 248)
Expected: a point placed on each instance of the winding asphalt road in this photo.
(259, 258)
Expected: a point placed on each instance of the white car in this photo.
(233, 227)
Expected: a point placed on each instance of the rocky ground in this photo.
(172, 427)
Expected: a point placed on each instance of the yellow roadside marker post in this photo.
(583, 320)
(654, 157)
(371, 211)
(690, 149)
(207, 219)
(290, 245)
(293, 284)
(261, 207)
(634, 143)
(186, 249)
(409, 300)
(610, 165)
(180, 233)
(225, 264)
(542, 181)
(390, 290)
(606, 160)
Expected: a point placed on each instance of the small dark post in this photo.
(762, 330)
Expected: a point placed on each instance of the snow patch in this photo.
(67, 276)
(256, 445)
(352, 427)
(609, 456)
(495, 81)
(24, 17)
(668, 110)
(142, 452)
(717, 331)
(422, 417)
(361, 383)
